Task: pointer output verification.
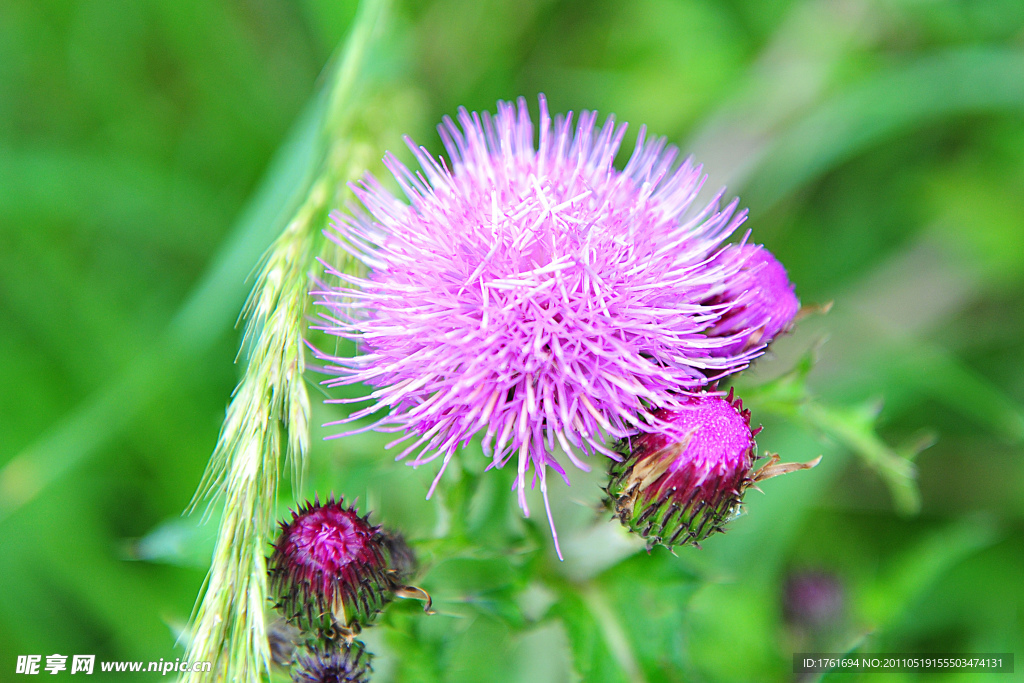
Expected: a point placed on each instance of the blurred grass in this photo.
(880, 146)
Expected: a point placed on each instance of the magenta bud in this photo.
(813, 600)
(683, 483)
(761, 301)
(329, 568)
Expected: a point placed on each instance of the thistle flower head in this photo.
(683, 483)
(760, 301)
(329, 567)
(334, 661)
(532, 293)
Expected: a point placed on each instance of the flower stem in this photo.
(271, 403)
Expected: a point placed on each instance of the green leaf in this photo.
(851, 426)
(884, 105)
(598, 646)
(628, 623)
(182, 541)
(886, 599)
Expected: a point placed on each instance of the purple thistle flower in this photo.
(682, 483)
(761, 301)
(685, 482)
(329, 564)
(536, 295)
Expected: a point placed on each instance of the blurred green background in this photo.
(879, 146)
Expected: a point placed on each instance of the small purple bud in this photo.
(762, 297)
(335, 661)
(681, 484)
(329, 568)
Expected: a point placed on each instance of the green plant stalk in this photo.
(271, 399)
(271, 404)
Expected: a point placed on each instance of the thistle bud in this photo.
(681, 484)
(761, 301)
(329, 568)
(333, 661)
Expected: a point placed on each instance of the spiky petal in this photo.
(534, 294)
(329, 568)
